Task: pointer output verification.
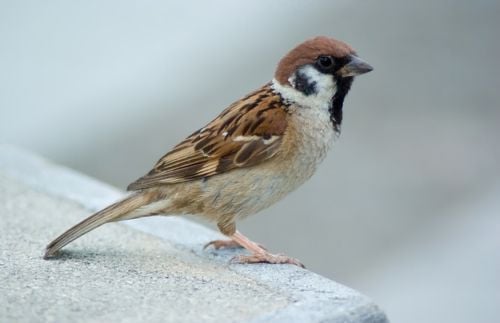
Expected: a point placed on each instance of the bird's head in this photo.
(318, 74)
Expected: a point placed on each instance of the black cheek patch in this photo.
(304, 84)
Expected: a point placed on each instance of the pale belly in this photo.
(246, 191)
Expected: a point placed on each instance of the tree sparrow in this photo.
(254, 153)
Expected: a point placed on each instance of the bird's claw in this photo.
(222, 244)
(227, 244)
(266, 258)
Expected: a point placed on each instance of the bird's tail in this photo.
(120, 210)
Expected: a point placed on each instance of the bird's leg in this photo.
(227, 244)
(227, 227)
(223, 244)
(259, 254)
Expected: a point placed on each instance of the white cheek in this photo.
(325, 89)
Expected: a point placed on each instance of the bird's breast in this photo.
(249, 190)
(311, 136)
(245, 191)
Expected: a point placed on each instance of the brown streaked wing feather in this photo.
(245, 134)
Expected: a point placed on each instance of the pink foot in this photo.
(227, 244)
(267, 258)
(223, 244)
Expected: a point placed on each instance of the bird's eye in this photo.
(325, 62)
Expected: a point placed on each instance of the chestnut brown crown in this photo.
(307, 52)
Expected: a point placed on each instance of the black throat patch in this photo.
(343, 87)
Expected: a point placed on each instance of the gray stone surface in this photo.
(144, 270)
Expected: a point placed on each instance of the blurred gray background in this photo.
(405, 208)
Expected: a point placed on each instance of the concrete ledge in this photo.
(143, 270)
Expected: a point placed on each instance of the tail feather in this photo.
(118, 211)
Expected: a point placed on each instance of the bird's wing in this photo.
(248, 132)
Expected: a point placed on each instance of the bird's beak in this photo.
(354, 67)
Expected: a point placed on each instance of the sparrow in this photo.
(250, 156)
